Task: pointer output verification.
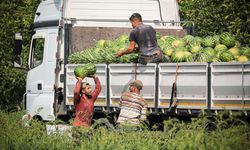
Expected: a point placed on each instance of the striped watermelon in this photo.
(227, 39)
(208, 42)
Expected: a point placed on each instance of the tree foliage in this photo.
(217, 16)
(16, 16)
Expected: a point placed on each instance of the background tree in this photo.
(16, 16)
(216, 16)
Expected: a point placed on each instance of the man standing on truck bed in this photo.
(132, 104)
(84, 101)
(145, 37)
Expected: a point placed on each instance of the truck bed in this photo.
(213, 86)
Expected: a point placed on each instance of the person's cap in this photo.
(137, 83)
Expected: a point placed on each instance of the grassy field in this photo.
(201, 133)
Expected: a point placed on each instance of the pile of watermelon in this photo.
(85, 70)
(217, 48)
(104, 52)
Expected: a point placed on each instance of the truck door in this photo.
(41, 74)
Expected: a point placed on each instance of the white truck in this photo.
(62, 27)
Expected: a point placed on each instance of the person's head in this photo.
(86, 89)
(135, 19)
(135, 86)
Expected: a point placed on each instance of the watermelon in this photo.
(226, 56)
(188, 38)
(188, 57)
(161, 43)
(181, 49)
(243, 58)
(234, 51)
(122, 39)
(178, 56)
(246, 51)
(227, 39)
(216, 39)
(79, 71)
(198, 39)
(85, 70)
(220, 47)
(203, 57)
(168, 51)
(215, 59)
(101, 43)
(208, 42)
(178, 43)
(181, 54)
(158, 35)
(210, 51)
(195, 49)
(163, 37)
(169, 39)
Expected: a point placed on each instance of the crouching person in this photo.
(133, 107)
(84, 100)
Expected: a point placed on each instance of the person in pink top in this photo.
(84, 100)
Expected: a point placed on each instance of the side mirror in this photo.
(189, 26)
(18, 50)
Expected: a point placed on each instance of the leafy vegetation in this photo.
(218, 132)
(16, 16)
(217, 16)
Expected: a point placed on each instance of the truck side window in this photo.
(37, 52)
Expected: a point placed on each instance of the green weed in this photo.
(204, 133)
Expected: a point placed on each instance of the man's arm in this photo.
(144, 112)
(122, 98)
(98, 87)
(131, 49)
(77, 91)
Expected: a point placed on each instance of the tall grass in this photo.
(201, 133)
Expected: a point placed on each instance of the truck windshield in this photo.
(37, 52)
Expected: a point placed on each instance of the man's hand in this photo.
(129, 50)
(93, 76)
(79, 78)
(119, 53)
